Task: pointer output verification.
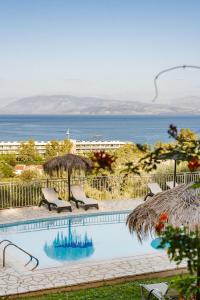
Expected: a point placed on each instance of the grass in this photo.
(124, 291)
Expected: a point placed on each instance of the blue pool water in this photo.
(73, 239)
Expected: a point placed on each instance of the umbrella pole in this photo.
(174, 183)
(69, 185)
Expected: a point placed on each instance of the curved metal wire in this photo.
(168, 70)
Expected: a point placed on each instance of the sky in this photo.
(105, 48)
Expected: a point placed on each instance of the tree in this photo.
(9, 159)
(126, 154)
(6, 170)
(28, 153)
(55, 148)
(185, 147)
(52, 149)
(28, 175)
(65, 147)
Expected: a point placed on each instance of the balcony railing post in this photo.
(15, 194)
(185, 178)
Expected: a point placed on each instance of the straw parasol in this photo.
(182, 204)
(68, 163)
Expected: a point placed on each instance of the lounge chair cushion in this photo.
(154, 187)
(89, 201)
(61, 203)
(170, 184)
(51, 196)
(79, 194)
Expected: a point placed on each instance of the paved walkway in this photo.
(16, 280)
(33, 213)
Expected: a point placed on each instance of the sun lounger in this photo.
(154, 189)
(51, 199)
(161, 291)
(170, 184)
(79, 197)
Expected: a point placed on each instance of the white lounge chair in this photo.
(79, 197)
(170, 184)
(160, 291)
(154, 189)
(51, 199)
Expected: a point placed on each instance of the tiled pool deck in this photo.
(16, 280)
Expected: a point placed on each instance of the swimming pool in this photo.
(73, 239)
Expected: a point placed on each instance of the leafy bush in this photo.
(28, 175)
(183, 244)
(6, 170)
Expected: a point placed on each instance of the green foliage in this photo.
(167, 167)
(196, 185)
(184, 245)
(9, 159)
(7, 162)
(65, 147)
(127, 156)
(52, 149)
(6, 170)
(55, 148)
(185, 147)
(186, 285)
(187, 134)
(28, 153)
(28, 175)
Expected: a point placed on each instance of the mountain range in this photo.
(72, 105)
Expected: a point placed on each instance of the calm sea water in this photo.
(140, 129)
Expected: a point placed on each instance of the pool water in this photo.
(73, 239)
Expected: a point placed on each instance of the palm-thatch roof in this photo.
(67, 162)
(182, 204)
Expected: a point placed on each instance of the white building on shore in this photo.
(78, 146)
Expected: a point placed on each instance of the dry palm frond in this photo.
(67, 163)
(182, 205)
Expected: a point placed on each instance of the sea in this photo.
(138, 129)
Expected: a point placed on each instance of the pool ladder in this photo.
(9, 243)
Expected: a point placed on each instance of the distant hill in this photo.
(71, 105)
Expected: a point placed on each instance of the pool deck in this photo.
(33, 213)
(16, 280)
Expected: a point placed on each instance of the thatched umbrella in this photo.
(68, 163)
(182, 205)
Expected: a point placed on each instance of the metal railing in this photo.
(16, 194)
(22, 250)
